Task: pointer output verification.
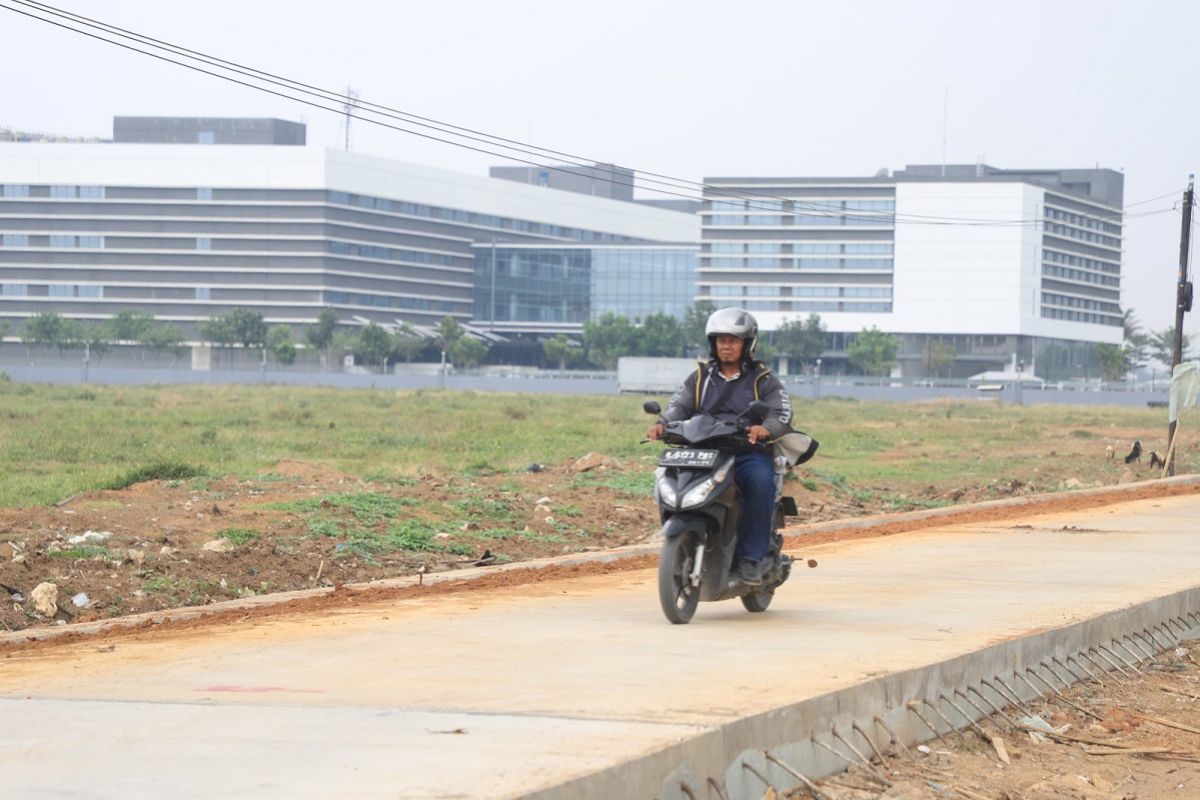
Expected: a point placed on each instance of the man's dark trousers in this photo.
(754, 474)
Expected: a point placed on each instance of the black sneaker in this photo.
(751, 572)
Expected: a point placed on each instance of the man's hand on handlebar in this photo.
(656, 430)
(757, 433)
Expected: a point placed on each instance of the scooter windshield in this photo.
(699, 428)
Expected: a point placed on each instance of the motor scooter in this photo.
(699, 505)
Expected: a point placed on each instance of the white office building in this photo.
(1007, 266)
(191, 218)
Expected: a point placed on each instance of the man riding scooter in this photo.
(724, 388)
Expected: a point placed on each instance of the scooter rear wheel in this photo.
(675, 590)
(757, 602)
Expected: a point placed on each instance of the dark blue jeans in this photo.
(754, 474)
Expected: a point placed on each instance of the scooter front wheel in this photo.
(675, 590)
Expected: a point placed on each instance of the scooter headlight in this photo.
(699, 493)
(666, 492)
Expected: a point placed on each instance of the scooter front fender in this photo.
(682, 523)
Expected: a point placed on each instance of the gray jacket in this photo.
(705, 383)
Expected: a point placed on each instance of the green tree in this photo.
(607, 339)
(217, 331)
(694, 321)
(1113, 361)
(95, 338)
(467, 351)
(1162, 345)
(1137, 340)
(320, 336)
(936, 355)
(280, 344)
(248, 327)
(801, 340)
(660, 335)
(47, 328)
(374, 345)
(163, 338)
(765, 352)
(409, 344)
(130, 326)
(873, 351)
(558, 350)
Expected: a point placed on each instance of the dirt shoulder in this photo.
(1136, 737)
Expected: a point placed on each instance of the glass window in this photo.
(14, 289)
(60, 240)
(92, 192)
(16, 190)
(61, 290)
(91, 241)
(63, 191)
(91, 291)
(14, 240)
(205, 137)
(205, 193)
(203, 243)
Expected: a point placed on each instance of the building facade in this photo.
(538, 288)
(187, 232)
(1007, 267)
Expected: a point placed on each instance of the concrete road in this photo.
(500, 693)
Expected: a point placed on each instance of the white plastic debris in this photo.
(923, 750)
(90, 537)
(81, 600)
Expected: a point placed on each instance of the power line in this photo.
(799, 207)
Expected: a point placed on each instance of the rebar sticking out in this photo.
(686, 789)
(970, 720)
(894, 738)
(912, 706)
(758, 775)
(870, 743)
(712, 784)
(1083, 666)
(995, 708)
(812, 787)
(866, 762)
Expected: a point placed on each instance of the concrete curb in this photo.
(1104, 495)
(789, 733)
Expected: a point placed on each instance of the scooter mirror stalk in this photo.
(651, 407)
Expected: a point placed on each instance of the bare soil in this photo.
(1124, 748)
(168, 544)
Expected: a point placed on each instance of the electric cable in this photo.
(818, 209)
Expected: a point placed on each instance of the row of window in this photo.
(1051, 298)
(1080, 261)
(801, 247)
(61, 192)
(820, 205)
(53, 290)
(884, 264)
(384, 301)
(470, 218)
(753, 290)
(822, 220)
(1052, 271)
(1080, 316)
(390, 253)
(1082, 221)
(815, 305)
(55, 240)
(1069, 232)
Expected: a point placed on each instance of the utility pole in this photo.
(1183, 303)
(347, 107)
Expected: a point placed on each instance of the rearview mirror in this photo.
(759, 410)
(651, 407)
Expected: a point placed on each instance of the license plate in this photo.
(688, 458)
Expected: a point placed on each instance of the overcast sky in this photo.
(691, 89)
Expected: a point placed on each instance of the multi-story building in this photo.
(1007, 266)
(190, 231)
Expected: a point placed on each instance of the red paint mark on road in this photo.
(257, 689)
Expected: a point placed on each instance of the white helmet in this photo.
(732, 322)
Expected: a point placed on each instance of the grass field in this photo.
(58, 441)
